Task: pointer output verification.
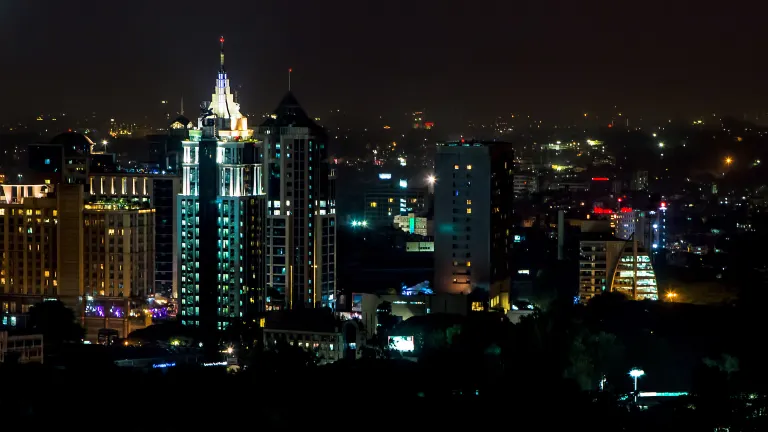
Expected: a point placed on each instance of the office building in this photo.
(221, 219)
(390, 197)
(41, 242)
(301, 206)
(610, 264)
(119, 249)
(157, 191)
(473, 215)
(21, 348)
(413, 224)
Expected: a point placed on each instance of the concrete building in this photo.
(41, 241)
(157, 191)
(119, 249)
(390, 198)
(316, 331)
(611, 264)
(301, 210)
(525, 184)
(473, 215)
(21, 348)
(365, 306)
(221, 219)
(413, 224)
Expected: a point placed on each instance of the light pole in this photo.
(636, 373)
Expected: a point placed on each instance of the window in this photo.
(373, 204)
(469, 167)
(469, 211)
(477, 306)
(47, 162)
(391, 200)
(455, 167)
(469, 202)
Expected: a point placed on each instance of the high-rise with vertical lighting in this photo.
(221, 217)
(301, 208)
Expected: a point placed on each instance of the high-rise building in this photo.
(221, 218)
(156, 191)
(41, 228)
(301, 206)
(474, 185)
(119, 249)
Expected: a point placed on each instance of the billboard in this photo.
(401, 343)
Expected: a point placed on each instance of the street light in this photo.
(636, 373)
(728, 161)
(671, 295)
(431, 179)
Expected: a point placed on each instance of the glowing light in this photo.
(636, 373)
(431, 179)
(661, 144)
(600, 179)
(728, 160)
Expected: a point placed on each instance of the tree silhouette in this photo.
(55, 322)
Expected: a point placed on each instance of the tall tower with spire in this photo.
(231, 124)
(221, 219)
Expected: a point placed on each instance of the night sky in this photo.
(456, 59)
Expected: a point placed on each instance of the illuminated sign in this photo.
(221, 363)
(163, 365)
(385, 176)
(600, 179)
(523, 271)
(600, 210)
(662, 394)
(401, 343)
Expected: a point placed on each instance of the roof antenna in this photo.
(182, 105)
(289, 78)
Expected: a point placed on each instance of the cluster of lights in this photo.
(362, 224)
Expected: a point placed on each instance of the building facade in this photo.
(221, 219)
(301, 210)
(473, 215)
(158, 191)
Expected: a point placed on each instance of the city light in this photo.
(728, 160)
(431, 179)
(636, 373)
(661, 144)
(362, 224)
(671, 295)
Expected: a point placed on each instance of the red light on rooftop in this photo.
(221, 39)
(600, 179)
(600, 210)
(626, 210)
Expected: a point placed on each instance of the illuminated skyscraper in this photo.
(474, 184)
(221, 218)
(301, 206)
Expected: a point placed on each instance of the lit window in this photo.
(47, 273)
(455, 167)
(469, 263)
(469, 202)
(469, 166)
(469, 211)
(477, 306)
(373, 204)
(391, 200)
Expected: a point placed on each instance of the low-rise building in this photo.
(21, 348)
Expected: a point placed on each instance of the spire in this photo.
(182, 105)
(222, 70)
(290, 70)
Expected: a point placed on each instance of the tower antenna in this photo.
(289, 78)
(221, 39)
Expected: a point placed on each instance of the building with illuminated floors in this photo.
(301, 206)
(221, 218)
(473, 215)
